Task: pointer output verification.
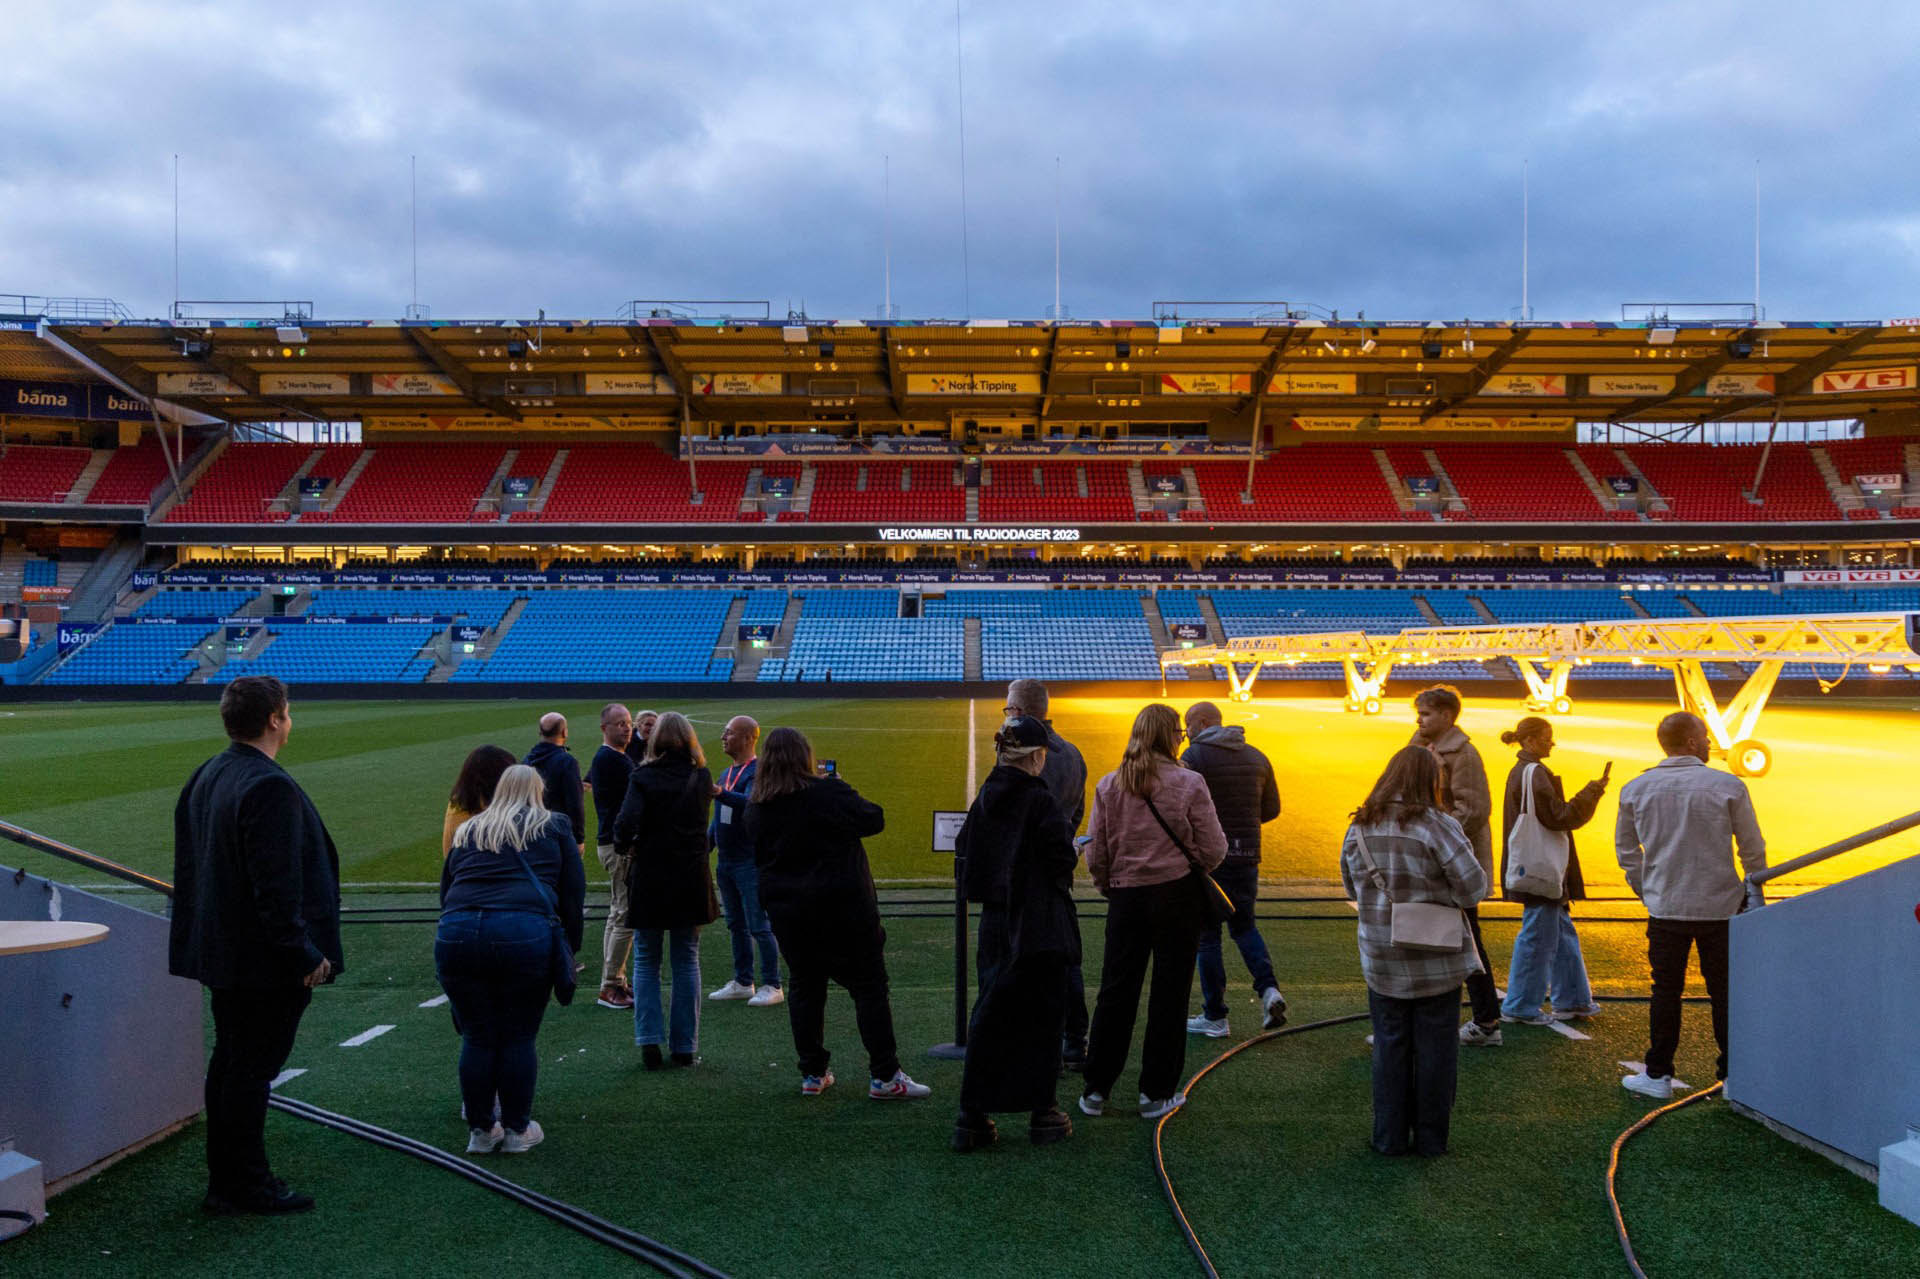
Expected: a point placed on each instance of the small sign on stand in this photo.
(946, 839)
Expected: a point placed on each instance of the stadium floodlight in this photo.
(290, 333)
(196, 348)
(1739, 350)
(794, 332)
(1661, 337)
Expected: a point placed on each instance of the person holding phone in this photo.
(1546, 953)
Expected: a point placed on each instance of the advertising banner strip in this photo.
(71, 400)
(305, 384)
(454, 423)
(1737, 384)
(626, 384)
(1630, 386)
(1206, 383)
(1551, 384)
(1855, 381)
(973, 384)
(197, 384)
(739, 383)
(415, 384)
(1313, 384)
(1478, 423)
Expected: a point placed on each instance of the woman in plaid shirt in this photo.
(1414, 995)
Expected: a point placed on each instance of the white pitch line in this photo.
(435, 1002)
(972, 750)
(287, 1076)
(1561, 1028)
(364, 1036)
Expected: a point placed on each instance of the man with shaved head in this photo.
(737, 876)
(1240, 779)
(561, 773)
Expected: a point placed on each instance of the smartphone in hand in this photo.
(829, 768)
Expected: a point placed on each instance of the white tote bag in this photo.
(1536, 856)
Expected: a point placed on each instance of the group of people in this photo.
(1172, 842)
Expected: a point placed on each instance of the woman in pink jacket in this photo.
(1152, 822)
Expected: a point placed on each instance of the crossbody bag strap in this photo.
(547, 896)
(1526, 791)
(1170, 835)
(1374, 873)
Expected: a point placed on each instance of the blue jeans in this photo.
(739, 885)
(1240, 880)
(684, 1008)
(1546, 956)
(493, 966)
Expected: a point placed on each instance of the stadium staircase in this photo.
(491, 640)
(288, 498)
(1449, 494)
(1845, 496)
(1910, 501)
(94, 594)
(1601, 493)
(88, 477)
(1156, 624)
(802, 505)
(726, 645)
(547, 481)
(973, 504)
(1638, 609)
(1428, 611)
(1137, 488)
(300, 602)
(1402, 495)
(1216, 633)
(751, 509)
(1656, 503)
(491, 506)
(346, 481)
(1196, 505)
(1479, 606)
(971, 659)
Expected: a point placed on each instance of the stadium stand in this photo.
(764, 608)
(418, 483)
(886, 490)
(131, 475)
(632, 636)
(1316, 482)
(1853, 458)
(38, 572)
(478, 607)
(128, 653)
(1708, 482)
(854, 635)
(1517, 482)
(1025, 489)
(1261, 612)
(1056, 634)
(350, 653)
(196, 603)
(639, 483)
(40, 473)
(237, 488)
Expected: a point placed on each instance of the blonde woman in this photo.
(1153, 821)
(513, 869)
(662, 829)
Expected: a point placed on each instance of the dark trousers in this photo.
(1074, 1040)
(1416, 1063)
(1480, 989)
(863, 973)
(493, 964)
(1240, 880)
(1668, 941)
(252, 1034)
(1159, 923)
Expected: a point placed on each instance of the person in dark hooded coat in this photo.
(1019, 866)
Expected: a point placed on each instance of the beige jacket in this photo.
(1129, 850)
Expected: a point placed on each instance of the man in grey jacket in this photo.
(1246, 796)
(1466, 794)
(1676, 836)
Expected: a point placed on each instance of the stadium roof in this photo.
(1322, 375)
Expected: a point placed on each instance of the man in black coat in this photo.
(1240, 779)
(1065, 776)
(256, 919)
(561, 772)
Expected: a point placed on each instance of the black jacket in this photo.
(1240, 779)
(1065, 774)
(1555, 813)
(814, 880)
(256, 880)
(663, 826)
(1020, 855)
(471, 879)
(561, 773)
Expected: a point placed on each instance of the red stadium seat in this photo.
(131, 476)
(35, 473)
(240, 483)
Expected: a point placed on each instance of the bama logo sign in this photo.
(1844, 381)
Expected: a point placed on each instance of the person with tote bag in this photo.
(1411, 871)
(1540, 870)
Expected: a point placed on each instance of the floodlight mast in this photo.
(1547, 654)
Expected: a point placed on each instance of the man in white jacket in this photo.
(1676, 836)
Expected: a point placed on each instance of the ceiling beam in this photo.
(1481, 374)
(1268, 367)
(1801, 376)
(141, 380)
(1686, 382)
(1046, 374)
(457, 373)
(896, 387)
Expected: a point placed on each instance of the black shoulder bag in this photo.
(1215, 906)
(559, 954)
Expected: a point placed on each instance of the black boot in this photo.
(971, 1132)
(1048, 1126)
(650, 1056)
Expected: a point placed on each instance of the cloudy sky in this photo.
(1352, 155)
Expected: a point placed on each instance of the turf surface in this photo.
(728, 1161)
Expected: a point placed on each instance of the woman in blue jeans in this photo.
(513, 869)
(1546, 952)
(662, 826)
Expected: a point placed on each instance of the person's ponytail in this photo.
(1526, 728)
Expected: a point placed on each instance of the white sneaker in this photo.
(899, 1088)
(1577, 1014)
(1211, 1027)
(482, 1141)
(1474, 1035)
(764, 997)
(732, 990)
(1274, 1010)
(519, 1143)
(1658, 1087)
(1151, 1109)
(1092, 1103)
(1538, 1019)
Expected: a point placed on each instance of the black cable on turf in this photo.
(667, 1260)
(9, 1214)
(1159, 1155)
(1613, 1168)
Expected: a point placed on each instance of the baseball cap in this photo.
(1019, 735)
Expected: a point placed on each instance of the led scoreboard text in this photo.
(965, 534)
